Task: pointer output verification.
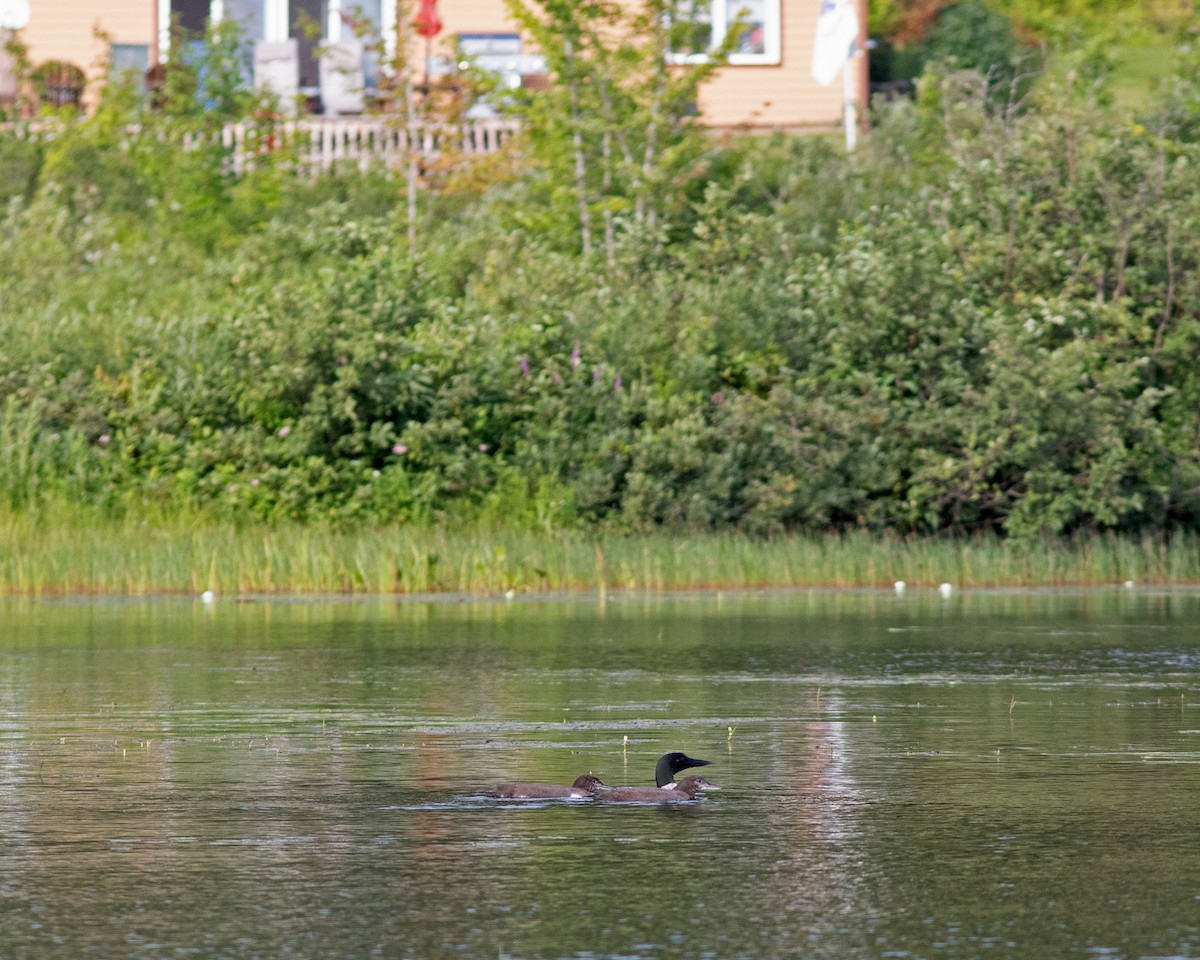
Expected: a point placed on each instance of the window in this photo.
(501, 53)
(702, 25)
(363, 20)
(129, 60)
(249, 15)
(190, 15)
(306, 18)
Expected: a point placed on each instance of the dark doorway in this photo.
(191, 16)
(306, 22)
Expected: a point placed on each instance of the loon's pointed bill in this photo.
(671, 763)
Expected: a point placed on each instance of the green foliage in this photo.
(883, 16)
(1113, 19)
(966, 35)
(1060, 22)
(20, 163)
(975, 37)
(985, 321)
(615, 134)
(209, 83)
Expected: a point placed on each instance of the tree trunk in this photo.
(585, 216)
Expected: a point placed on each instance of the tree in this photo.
(617, 125)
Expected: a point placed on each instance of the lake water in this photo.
(1008, 775)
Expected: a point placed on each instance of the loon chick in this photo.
(584, 786)
(686, 789)
(671, 763)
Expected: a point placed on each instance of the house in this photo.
(767, 84)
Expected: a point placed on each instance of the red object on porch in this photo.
(427, 21)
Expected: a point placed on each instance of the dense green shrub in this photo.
(985, 320)
(20, 163)
(976, 37)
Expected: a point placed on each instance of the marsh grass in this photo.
(61, 554)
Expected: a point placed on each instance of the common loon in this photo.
(584, 786)
(671, 763)
(686, 789)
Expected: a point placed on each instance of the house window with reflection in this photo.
(701, 26)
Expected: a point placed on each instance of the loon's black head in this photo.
(672, 763)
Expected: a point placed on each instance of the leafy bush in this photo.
(986, 321)
(976, 38)
(20, 163)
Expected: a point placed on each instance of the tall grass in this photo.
(64, 554)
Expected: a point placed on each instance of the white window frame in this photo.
(275, 20)
(722, 11)
(164, 30)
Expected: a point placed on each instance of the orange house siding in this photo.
(783, 95)
(66, 29)
(474, 16)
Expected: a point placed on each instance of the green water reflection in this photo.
(1011, 774)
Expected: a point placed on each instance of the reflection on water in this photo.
(1012, 774)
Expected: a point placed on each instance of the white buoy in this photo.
(945, 590)
(207, 596)
(509, 594)
(900, 585)
(1128, 584)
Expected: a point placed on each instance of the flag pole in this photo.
(849, 94)
(837, 45)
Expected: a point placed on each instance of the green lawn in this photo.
(1140, 68)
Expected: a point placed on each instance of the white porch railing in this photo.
(317, 145)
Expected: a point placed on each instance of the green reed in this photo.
(60, 553)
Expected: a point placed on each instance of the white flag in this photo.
(837, 30)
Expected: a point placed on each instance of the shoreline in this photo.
(617, 596)
(131, 559)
